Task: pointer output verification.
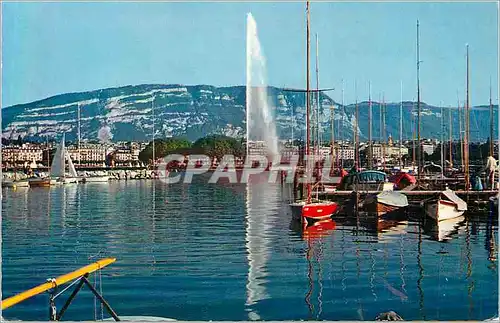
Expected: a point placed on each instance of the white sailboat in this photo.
(58, 167)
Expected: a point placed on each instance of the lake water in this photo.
(230, 252)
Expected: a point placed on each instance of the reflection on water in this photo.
(231, 252)
(261, 200)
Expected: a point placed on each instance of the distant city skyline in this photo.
(56, 48)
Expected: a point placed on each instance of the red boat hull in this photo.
(319, 211)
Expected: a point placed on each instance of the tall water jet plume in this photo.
(260, 123)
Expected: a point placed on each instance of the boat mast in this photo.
(418, 109)
(442, 139)
(460, 135)
(491, 123)
(383, 131)
(307, 101)
(401, 127)
(451, 137)
(341, 156)
(332, 120)
(370, 147)
(79, 135)
(356, 134)
(413, 133)
(467, 116)
(153, 117)
(318, 138)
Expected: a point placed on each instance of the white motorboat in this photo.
(446, 206)
(96, 179)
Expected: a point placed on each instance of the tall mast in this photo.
(451, 137)
(332, 134)
(383, 131)
(370, 147)
(334, 156)
(413, 133)
(380, 124)
(401, 127)
(79, 134)
(153, 115)
(460, 135)
(318, 139)
(380, 108)
(341, 156)
(442, 139)
(356, 126)
(418, 109)
(467, 112)
(491, 123)
(307, 100)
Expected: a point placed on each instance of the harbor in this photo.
(174, 202)
(244, 246)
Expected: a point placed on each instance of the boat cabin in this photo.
(369, 180)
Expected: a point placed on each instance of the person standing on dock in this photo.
(490, 168)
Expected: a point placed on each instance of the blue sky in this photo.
(53, 48)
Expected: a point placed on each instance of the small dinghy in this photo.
(446, 206)
(386, 202)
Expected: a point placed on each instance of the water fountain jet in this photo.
(260, 123)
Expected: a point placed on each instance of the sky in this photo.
(52, 48)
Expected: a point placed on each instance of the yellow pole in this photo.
(8, 302)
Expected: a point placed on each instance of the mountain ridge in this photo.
(194, 111)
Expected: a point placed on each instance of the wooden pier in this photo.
(476, 200)
(461, 193)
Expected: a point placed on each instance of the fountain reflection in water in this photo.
(260, 123)
(262, 199)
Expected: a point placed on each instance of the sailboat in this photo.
(58, 167)
(318, 210)
(19, 182)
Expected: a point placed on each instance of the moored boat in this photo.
(319, 210)
(39, 182)
(21, 183)
(445, 206)
(309, 210)
(96, 179)
(386, 202)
